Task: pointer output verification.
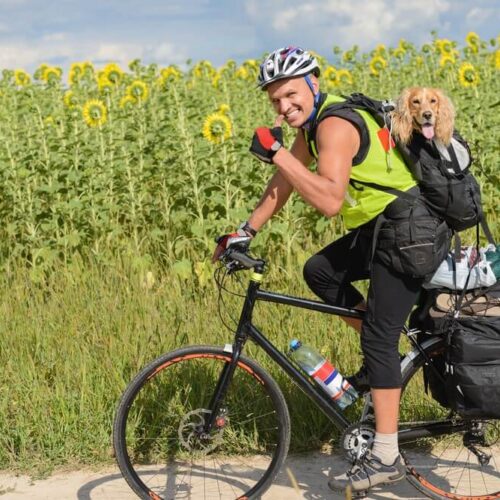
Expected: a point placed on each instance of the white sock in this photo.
(385, 447)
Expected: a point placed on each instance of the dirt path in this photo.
(310, 471)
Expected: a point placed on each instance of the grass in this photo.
(69, 346)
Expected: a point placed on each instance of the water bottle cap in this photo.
(295, 344)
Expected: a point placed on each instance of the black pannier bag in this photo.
(426, 319)
(473, 366)
(466, 377)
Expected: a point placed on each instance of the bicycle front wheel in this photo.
(461, 460)
(161, 442)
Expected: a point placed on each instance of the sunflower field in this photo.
(114, 183)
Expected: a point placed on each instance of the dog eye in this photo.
(416, 101)
(433, 101)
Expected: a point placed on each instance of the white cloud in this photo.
(29, 55)
(478, 15)
(348, 23)
(25, 55)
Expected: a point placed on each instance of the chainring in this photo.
(357, 439)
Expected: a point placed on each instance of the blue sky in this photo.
(172, 31)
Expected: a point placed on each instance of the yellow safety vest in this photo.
(363, 203)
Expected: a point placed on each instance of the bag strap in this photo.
(386, 189)
(454, 160)
(461, 297)
(487, 231)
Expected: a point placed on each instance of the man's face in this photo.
(293, 99)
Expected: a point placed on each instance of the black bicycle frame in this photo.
(247, 330)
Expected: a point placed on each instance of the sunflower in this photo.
(127, 100)
(444, 45)
(404, 45)
(344, 76)
(377, 64)
(104, 85)
(87, 68)
(21, 78)
(473, 41)
(95, 113)
(168, 75)
(468, 75)
(75, 73)
(399, 52)
(380, 49)
(447, 60)
(217, 128)
(38, 74)
(252, 63)
(497, 59)
(69, 99)
(330, 75)
(216, 78)
(241, 73)
(204, 68)
(51, 74)
(138, 90)
(349, 55)
(252, 67)
(113, 73)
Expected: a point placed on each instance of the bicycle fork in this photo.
(226, 376)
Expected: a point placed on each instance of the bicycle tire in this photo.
(447, 469)
(156, 431)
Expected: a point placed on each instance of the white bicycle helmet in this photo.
(286, 62)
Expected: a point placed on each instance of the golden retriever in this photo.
(424, 110)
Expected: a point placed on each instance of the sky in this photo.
(172, 31)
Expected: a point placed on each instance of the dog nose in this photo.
(427, 115)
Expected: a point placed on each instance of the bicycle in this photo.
(177, 439)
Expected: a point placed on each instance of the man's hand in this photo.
(241, 238)
(265, 142)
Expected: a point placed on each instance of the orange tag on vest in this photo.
(384, 136)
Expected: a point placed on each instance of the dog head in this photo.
(424, 110)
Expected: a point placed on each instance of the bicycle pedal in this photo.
(359, 494)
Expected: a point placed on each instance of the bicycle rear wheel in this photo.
(162, 448)
(443, 466)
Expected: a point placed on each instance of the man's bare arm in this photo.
(338, 142)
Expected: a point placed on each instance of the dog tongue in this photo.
(428, 131)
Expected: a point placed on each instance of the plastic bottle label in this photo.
(330, 380)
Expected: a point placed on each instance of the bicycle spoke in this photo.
(166, 416)
(441, 465)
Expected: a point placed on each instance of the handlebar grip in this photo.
(245, 260)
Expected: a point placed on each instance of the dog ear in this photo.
(402, 121)
(445, 118)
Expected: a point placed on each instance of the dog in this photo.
(427, 111)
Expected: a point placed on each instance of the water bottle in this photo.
(327, 376)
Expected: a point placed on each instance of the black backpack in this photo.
(450, 192)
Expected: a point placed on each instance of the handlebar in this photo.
(243, 261)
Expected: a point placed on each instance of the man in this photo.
(347, 149)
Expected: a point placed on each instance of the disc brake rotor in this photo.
(192, 434)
